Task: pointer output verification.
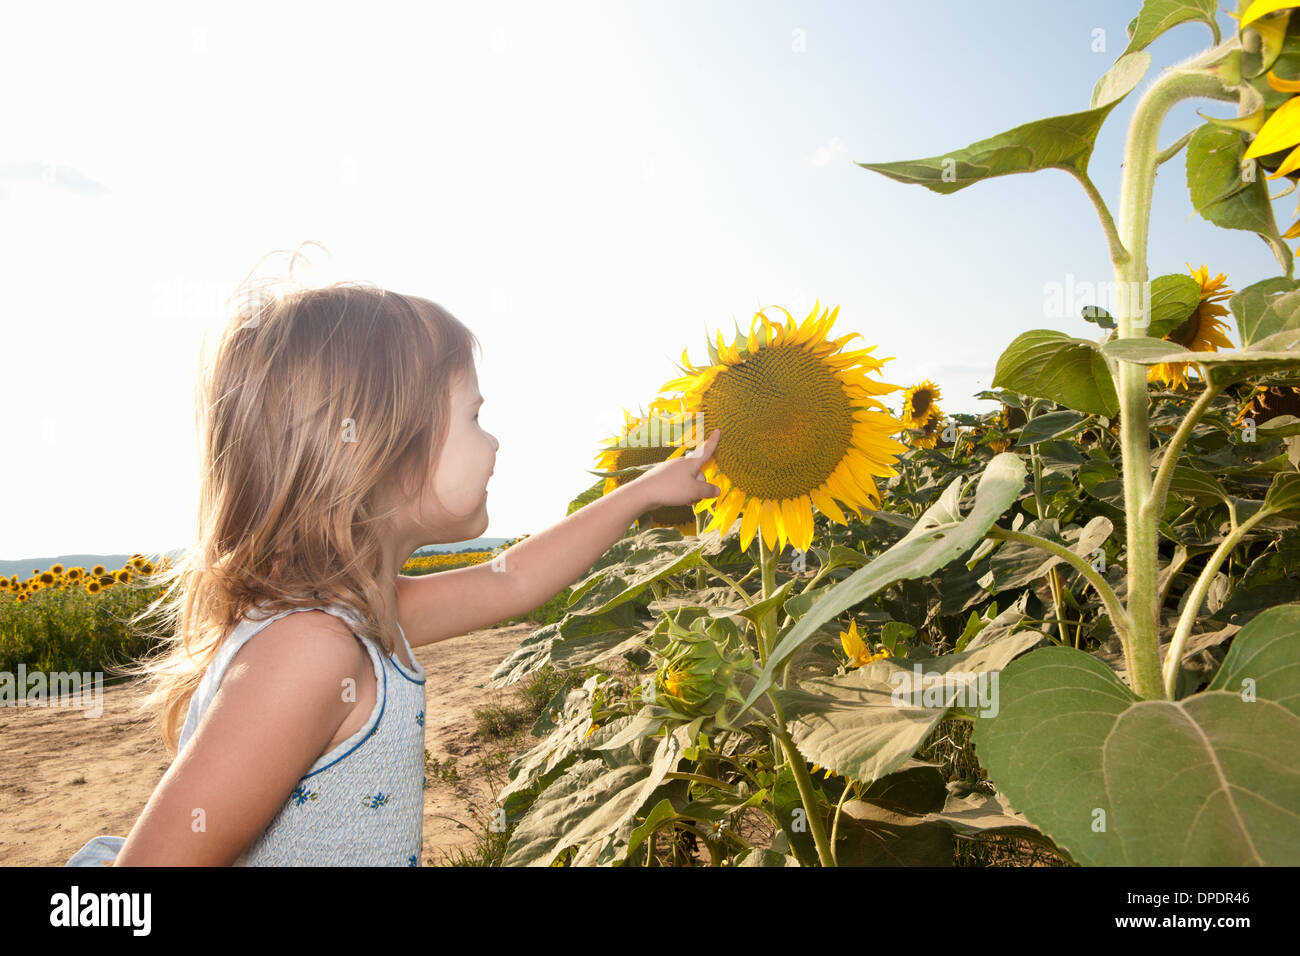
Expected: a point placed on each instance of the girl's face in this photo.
(468, 457)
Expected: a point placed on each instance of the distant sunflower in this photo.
(1202, 332)
(800, 427)
(920, 404)
(644, 441)
(927, 435)
(1007, 419)
(1266, 403)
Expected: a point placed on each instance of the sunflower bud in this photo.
(699, 671)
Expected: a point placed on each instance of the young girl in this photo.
(338, 433)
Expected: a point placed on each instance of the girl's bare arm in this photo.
(280, 702)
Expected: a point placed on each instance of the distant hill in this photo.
(23, 567)
(478, 544)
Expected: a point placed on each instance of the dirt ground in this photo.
(66, 778)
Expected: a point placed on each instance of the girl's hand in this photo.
(678, 482)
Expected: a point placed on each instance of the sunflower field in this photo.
(1065, 633)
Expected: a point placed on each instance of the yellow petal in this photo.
(789, 521)
(769, 524)
(1281, 130)
(1291, 162)
(1262, 8)
(852, 643)
(1281, 85)
(731, 505)
(782, 532)
(804, 507)
(749, 523)
(844, 491)
(826, 504)
(804, 331)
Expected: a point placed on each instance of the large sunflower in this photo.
(800, 427)
(644, 441)
(1202, 332)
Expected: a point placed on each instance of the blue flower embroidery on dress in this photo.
(301, 795)
(411, 860)
(378, 800)
(419, 718)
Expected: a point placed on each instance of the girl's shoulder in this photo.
(325, 637)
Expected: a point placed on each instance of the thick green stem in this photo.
(700, 580)
(803, 780)
(1197, 597)
(780, 736)
(1141, 152)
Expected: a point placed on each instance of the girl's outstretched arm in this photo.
(543, 565)
(526, 576)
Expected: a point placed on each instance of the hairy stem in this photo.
(1197, 597)
(1119, 617)
(1140, 159)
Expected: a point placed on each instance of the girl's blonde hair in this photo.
(314, 400)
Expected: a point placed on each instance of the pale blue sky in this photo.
(589, 186)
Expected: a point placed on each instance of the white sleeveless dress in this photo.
(360, 804)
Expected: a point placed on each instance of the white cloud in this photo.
(829, 152)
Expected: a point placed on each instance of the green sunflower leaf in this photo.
(1284, 494)
(1048, 364)
(1284, 426)
(1191, 484)
(628, 568)
(1274, 353)
(1208, 780)
(1174, 298)
(940, 536)
(594, 803)
(975, 813)
(1060, 142)
(1266, 308)
(1222, 195)
(587, 497)
(1051, 425)
(566, 643)
(1098, 315)
(1157, 16)
(867, 724)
